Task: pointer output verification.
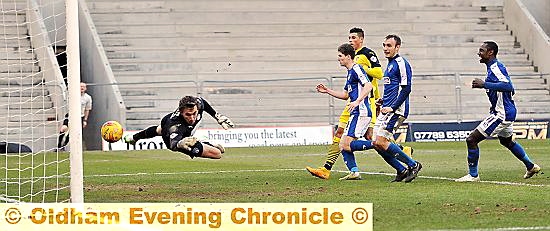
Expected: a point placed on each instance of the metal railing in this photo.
(290, 101)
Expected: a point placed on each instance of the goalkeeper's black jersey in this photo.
(175, 128)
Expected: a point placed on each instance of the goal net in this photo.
(33, 102)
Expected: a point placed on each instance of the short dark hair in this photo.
(357, 30)
(491, 45)
(395, 37)
(188, 102)
(347, 49)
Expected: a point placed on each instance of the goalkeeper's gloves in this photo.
(187, 142)
(224, 121)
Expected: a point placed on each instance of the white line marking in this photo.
(300, 169)
(498, 229)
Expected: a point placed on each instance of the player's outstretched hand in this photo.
(478, 83)
(187, 142)
(224, 121)
(321, 88)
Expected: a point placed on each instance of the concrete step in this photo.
(108, 17)
(398, 27)
(25, 105)
(452, 3)
(149, 65)
(239, 5)
(25, 91)
(16, 55)
(40, 131)
(19, 78)
(13, 44)
(27, 115)
(11, 17)
(311, 39)
(173, 53)
(322, 52)
(11, 29)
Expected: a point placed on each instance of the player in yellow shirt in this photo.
(369, 61)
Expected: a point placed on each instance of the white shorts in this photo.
(357, 126)
(494, 126)
(385, 125)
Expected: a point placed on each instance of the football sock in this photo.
(473, 158)
(361, 145)
(332, 155)
(392, 161)
(395, 151)
(149, 132)
(62, 140)
(349, 160)
(519, 152)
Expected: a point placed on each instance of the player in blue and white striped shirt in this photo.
(357, 89)
(395, 109)
(397, 87)
(500, 91)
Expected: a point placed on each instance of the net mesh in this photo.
(32, 102)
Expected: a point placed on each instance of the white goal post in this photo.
(35, 95)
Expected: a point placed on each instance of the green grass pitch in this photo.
(277, 174)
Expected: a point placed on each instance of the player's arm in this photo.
(371, 65)
(406, 76)
(224, 121)
(498, 86)
(321, 88)
(367, 87)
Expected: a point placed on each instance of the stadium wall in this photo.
(46, 58)
(539, 9)
(529, 33)
(96, 71)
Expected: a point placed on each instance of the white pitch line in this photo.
(453, 179)
(499, 229)
(300, 169)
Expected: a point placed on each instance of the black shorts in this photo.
(66, 120)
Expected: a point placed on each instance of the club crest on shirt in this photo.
(373, 59)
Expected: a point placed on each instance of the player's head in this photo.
(346, 53)
(356, 37)
(487, 51)
(189, 109)
(391, 45)
(83, 87)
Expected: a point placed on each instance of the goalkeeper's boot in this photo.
(352, 176)
(401, 176)
(530, 173)
(129, 139)
(468, 178)
(321, 172)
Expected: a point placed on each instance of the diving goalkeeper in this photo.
(177, 129)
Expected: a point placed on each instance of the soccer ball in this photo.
(111, 131)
